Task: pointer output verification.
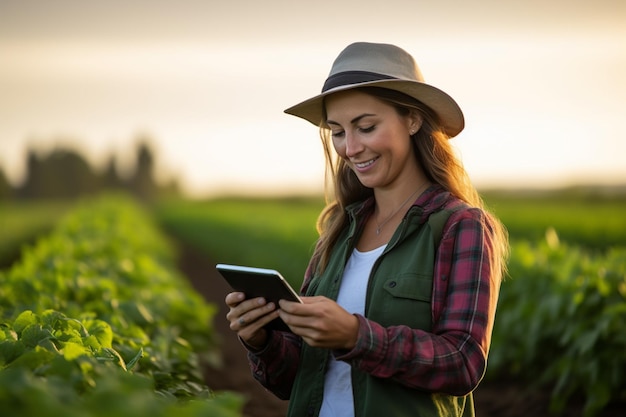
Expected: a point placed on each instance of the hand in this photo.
(247, 318)
(321, 322)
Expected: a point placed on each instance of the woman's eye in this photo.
(368, 129)
(338, 134)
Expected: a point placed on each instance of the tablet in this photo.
(260, 282)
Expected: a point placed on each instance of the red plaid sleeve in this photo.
(276, 365)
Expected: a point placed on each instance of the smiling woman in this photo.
(398, 299)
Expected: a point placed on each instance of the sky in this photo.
(540, 82)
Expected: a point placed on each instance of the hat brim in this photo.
(442, 104)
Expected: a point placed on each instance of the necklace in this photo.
(380, 225)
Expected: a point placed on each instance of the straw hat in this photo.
(364, 64)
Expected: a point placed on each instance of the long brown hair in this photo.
(437, 158)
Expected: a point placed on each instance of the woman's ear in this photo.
(415, 122)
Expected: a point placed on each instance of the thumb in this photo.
(315, 299)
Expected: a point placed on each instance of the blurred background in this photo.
(195, 90)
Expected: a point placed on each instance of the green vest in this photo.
(399, 292)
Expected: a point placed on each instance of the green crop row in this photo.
(95, 320)
(561, 322)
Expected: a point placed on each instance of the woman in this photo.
(400, 293)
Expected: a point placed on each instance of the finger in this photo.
(250, 331)
(234, 298)
(292, 307)
(239, 309)
(258, 323)
(239, 321)
(255, 334)
(313, 300)
(295, 321)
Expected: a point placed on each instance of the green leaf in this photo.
(92, 342)
(111, 355)
(25, 319)
(137, 312)
(10, 350)
(131, 364)
(72, 351)
(34, 334)
(34, 358)
(102, 331)
(51, 318)
(76, 325)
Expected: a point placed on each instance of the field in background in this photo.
(280, 233)
(267, 233)
(22, 222)
(595, 221)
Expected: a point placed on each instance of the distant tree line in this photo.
(64, 174)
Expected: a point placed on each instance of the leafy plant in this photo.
(561, 322)
(96, 305)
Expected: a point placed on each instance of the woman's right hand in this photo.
(247, 318)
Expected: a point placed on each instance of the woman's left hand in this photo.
(321, 322)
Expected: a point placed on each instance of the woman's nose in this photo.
(353, 145)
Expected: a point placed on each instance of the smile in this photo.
(365, 164)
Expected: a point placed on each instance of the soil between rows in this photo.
(492, 398)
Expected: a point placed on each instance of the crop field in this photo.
(561, 321)
(96, 311)
(560, 326)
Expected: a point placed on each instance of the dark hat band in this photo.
(353, 77)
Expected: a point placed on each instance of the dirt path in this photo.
(493, 399)
(234, 375)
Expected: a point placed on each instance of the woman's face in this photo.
(372, 137)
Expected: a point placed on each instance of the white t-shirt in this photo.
(338, 400)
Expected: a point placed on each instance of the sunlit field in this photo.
(594, 222)
(267, 233)
(281, 233)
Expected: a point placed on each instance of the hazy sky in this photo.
(541, 83)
